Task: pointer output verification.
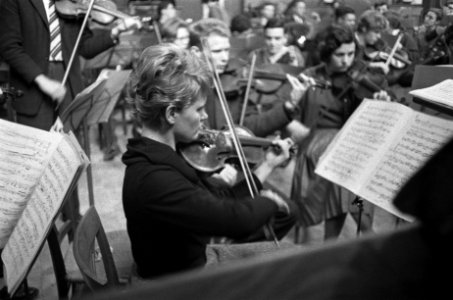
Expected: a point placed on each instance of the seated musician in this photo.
(370, 27)
(263, 124)
(429, 37)
(176, 30)
(276, 49)
(171, 210)
(230, 70)
(324, 111)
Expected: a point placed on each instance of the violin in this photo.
(397, 59)
(360, 80)
(214, 148)
(104, 11)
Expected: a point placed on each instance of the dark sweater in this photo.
(171, 214)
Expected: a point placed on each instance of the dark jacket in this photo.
(25, 40)
(171, 214)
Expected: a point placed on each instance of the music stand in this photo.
(92, 106)
(426, 76)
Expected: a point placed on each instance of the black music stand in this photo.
(92, 106)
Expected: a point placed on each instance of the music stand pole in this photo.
(359, 203)
(86, 142)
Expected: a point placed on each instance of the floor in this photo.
(107, 178)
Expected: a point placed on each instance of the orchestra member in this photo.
(276, 49)
(217, 35)
(429, 34)
(171, 210)
(324, 111)
(176, 31)
(345, 16)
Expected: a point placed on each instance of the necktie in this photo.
(55, 36)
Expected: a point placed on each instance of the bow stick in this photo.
(237, 144)
(247, 90)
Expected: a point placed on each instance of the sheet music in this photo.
(360, 143)
(380, 147)
(24, 151)
(440, 93)
(30, 232)
(423, 136)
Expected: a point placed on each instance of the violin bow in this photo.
(253, 189)
(247, 90)
(395, 46)
(76, 45)
(157, 31)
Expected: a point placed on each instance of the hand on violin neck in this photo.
(276, 156)
(125, 25)
(228, 176)
(298, 88)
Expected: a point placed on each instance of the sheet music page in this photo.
(422, 137)
(29, 234)
(24, 152)
(356, 150)
(440, 93)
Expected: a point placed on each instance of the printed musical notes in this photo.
(380, 147)
(440, 93)
(33, 190)
(24, 152)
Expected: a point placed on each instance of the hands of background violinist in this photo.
(274, 197)
(380, 65)
(382, 96)
(274, 158)
(299, 87)
(124, 25)
(52, 88)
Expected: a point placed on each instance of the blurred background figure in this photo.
(214, 9)
(243, 38)
(166, 10)
(381, 6)
(428, 35)
(276, 49)
(176, 31)
(266, 11)
(345, 16)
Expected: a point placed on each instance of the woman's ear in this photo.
(170, 114)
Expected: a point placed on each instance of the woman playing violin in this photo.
(171, 210)
(325, 111)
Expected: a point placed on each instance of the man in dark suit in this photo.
(25, 45)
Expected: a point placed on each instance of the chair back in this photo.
(89, 231)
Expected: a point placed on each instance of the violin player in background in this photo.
(371, 26)
(217, 35)
(171, 211)
(428, 36)
(324, 111)
(176, 31)
(276, 49)
(37, 44)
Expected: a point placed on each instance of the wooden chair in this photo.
(88, 257)
(68, 278)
